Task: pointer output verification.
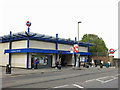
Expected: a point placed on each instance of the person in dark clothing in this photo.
(32, 63)
(57, 63)
(36, 62)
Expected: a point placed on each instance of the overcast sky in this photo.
(49, 17)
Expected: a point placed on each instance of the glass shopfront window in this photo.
(41, 60)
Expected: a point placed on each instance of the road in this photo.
(88, 78)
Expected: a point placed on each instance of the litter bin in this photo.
(59, 67)
(84, 65)
(8, 69)
(87, 65)
(101, 66)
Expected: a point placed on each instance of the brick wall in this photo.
(102, 58)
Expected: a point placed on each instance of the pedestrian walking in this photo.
(101, 65)
(60, 61)
(57, 63)
(92, 62)
(37, 62)
(109, 63)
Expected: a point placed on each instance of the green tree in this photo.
(69, 38)
(99, 47)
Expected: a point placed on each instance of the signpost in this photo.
(27, 33)
(74, 49)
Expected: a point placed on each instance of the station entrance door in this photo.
(65, 59)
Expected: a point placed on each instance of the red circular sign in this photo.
(28, 23)
(111, 51)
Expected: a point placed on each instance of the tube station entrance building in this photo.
(24, 48)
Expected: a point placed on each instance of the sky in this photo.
(49, 17)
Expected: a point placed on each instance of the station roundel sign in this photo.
(28, 23)
(111, 51)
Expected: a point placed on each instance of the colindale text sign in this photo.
(15, 51)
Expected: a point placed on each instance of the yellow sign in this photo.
(78, 54)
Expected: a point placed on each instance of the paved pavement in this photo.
(19, 71)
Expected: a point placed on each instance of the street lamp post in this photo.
(78, 46)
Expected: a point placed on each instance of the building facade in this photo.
(25, 49)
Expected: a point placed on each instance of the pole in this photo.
(88, 51)
(28, 48)
(10, 48)
(28, 38)
(77, 63)
(56, 50)
(73, 58)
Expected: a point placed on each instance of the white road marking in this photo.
(61, 86)
(100, 80)
(115, 77)
(109, 80)
(104, 77)
(78, 86)
(90, 80)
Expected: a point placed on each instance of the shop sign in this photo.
(15, 51)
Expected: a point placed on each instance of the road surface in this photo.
(88, 78)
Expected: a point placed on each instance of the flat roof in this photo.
(40, 37)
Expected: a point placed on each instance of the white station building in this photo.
(22, 49)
